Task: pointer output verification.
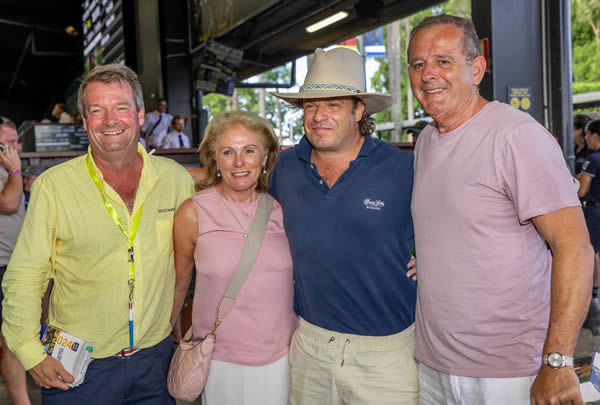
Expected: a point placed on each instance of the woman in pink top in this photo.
(249, 364)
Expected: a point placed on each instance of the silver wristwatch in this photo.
(557, 360)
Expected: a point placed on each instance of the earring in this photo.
(218, 173)
(264, 170)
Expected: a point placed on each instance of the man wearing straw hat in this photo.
(346, 207)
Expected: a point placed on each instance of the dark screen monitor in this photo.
(215, 66)
(59, 137)
(103, 33)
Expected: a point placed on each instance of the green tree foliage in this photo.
(585, 31)
(380, 82)
(214, 103)
(248, 100)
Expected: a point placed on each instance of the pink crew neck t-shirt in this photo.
(484, 271)
(258, 329)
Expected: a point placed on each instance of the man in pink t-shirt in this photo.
(498, 312)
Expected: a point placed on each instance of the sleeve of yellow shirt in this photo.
(191, 184)
(26, 278)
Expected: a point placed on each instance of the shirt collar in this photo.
(304, 148)
(149, 173)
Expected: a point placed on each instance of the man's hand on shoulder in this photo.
(556, 387)
(412, 268)
(50, 373)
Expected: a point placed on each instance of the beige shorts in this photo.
(335, 368)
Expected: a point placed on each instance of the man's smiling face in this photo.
(441, 77)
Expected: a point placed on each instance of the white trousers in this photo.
(439, 388)
(234, 384)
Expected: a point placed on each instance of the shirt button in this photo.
(320, 181)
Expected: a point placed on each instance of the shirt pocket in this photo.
(164, 236)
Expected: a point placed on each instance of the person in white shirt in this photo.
(176, 138)
(60, 113)
(156, 124)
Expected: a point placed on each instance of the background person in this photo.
(176, 138)
(416, 129)
(589, 192)
(12, 212)
(250, 362)
(156, 124)
(580, 122)
(60, 113)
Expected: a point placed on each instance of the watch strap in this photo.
(567, 361)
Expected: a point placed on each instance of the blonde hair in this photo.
(219, 124)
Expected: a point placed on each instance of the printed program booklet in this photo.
(73, 352)
(588, 371)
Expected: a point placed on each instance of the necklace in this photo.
(246, 228)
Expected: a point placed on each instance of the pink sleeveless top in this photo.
(258, 329)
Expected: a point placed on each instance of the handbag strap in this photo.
(252, 245)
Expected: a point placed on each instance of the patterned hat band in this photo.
(329, 86)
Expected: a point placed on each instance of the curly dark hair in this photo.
(366, 125)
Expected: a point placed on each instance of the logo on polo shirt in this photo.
(585, 165)
(166, 210)
(373, 204)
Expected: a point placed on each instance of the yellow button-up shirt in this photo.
(68, 235)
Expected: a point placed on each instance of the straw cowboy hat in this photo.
(337, 73)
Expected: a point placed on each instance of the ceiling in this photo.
(39, 59)
(278, 34)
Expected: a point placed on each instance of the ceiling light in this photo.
(71, 31)
(327, 21)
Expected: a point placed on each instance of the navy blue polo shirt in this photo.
(591, 167)
(350, 244)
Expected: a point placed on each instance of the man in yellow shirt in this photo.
(100, 225)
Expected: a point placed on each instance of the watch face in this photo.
(555, 360)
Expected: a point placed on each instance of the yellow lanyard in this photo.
(129, 236)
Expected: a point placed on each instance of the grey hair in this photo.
(110, 73)
(470, 38)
